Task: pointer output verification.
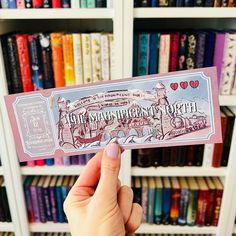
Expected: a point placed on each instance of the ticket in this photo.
(178, 108)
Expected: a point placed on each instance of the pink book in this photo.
(20, 4)
(30, 163)
(58, 161)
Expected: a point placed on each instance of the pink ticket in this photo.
(179, 108)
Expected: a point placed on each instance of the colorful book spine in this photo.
(96, 56)
(210, 207)
(24, 61)
(56, 3)
(200, 51)
(34, 197)
(59, 204)
(105, 57)
(174, 51)
(182, 51)
(4, 4)
(41, 204)
(91, 3)
(78, 62)
(183, 209)
(190, 60)
(20, 4)
(58, 161)
(202, 207)
(83, 3)
(154, 3)
(65, 3)
(208, 155)
(39, 162)
(12, 4)
(57, 59)
(166, 206)
(175, 205)
(66, 161)
(192, 207)
(75, 4)
(144, 203)
(112, 56)
(37, 3)
(46, 197)
(100, 3)
(36, 63)
(28, 4)
(74, 160)
(217, 3)
(47, 4)
(154, 49)
(53, 203)
(164, 53)
(163, 3)
(87, 60)
(217, 207)
(68, 59)
(158, 206)
(210, 48)
(151, 204)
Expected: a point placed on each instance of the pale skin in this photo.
(98, 205)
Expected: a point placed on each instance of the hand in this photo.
(97, 205)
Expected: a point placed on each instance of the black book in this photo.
(165, 161)
(13, 63)
(182, 154)
(145, 3)
(199, 3)
(209, 3)
(46, 53)
(134, 159)
(137, 3)
(137, 189)
(228, 135)
(47, 4)
(2, 213)
(28, 4)
(144, 157)
(101, 3)
(6, 208)
(156, 157)
(172, 3)
(174, 156)
(198, 157)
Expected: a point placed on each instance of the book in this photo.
(180, 3)
(68, 59)
(156, 158)
(228, 135)
(173, 156)
(71, 182)
(189, 3)
(12, 4)
(164, 53)
(209, 3)
(6, 208)
(154, 3)
(28, 4)
(105, 57)
(198, 157)
(137, 3)
(200, 49)
(64, 191)
(151, 200)
(217, 3)
(224, 3)
(175, 201)
(137, 189)
(182, 154)
(87, 60)
(91, 3)
(47, 4)
(182, 51)
(190, 154)
(101, 3)
(37, 3)
(41, 202)
(158, 201)
(143, 54)
(46, 196)
(209, 48)
(34, 198)
(163, 3)
(53, 199)
(5, 4)
(191, 52)
(83, 4)
(208, 155)
(56, 4)
(154, 49)
(172, 3)
(166, 201)
(145, 3)
(57, 59)
(109, 3)
(184, 198)
(144, 202)
(65, 3)
(193, 201)
(174, 50)
(112, 56)
(75, 4)
(166, 152)
(96, 57)
(199, 3)
(144, 157)
(59, 200)
(20, 4)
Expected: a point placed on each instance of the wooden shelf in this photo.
(101, 13)
(6, 227)
(184, 12)
(178, 171)
(228, 100)
(169, 229)
(52, 170)
(1, 170)
(49, 227)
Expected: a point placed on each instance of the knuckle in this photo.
(111, 167)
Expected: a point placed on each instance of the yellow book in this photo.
(112, 56)
(67, 44)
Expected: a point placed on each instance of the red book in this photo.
(218, 200)
(190, 154)
(218, 149)
(174, 50)
(56, 4)
(37, 3)
(202, 201)
(24, 61)
(40, 162)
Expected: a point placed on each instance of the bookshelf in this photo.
(6, 227)
(121, 20)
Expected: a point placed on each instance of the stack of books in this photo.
(162, 52)
(179, 201)
(5, 215)
(13, 4)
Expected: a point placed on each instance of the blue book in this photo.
(189, 3)
(60, 213)
(166, 201)
(143, 55)
(46, 196)
(158, 201)
(135, 55)
(200, 50)
(64, 191)
(151, 200)
(28, 201)
(154, 3)
(154, 49)
(12, 4)
(180, 3)
(210, 48)
(49, 162)
(66, 161)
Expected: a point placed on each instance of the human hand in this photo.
(97, 205)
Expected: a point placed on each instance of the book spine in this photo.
(209, 3)
(208, 155)
(217, 206)
(180, 3)
(96, 56)
(145, 3)
(174, 51)
(36, 64)
(198, 157)
(37, 3)
(190, 60)
(144, 204)
(29, 206)
(151, 205)
(172, 3)
(64, 192)
(175, 206)
(224, 3)
(105, 57)
(57, 59)
(30, 163)
(40, 162)
(2, 211)
(47, 4)
(165, 161)
(53, 203)
(112, 56)
(74, 160)
(109, 3)
(78, 63)
(66, 161)
(100, 3)
(46, 58)
(12, 4)
(164, 53)
(202, 206)
(210, 207)
(6, 205)
(47, 204)
(163, 3)
(231, 3)
(228, 70)
(91, 3)
(154, 3)
(28, 4)
(65, 3)
(137, 3)
(75, 4)
(56, 3)
(189, 3)
(41, 204)
(154, 48)
(4, 4)
(192, 207)
(68, 59)
(24, 61)
(210, 48)
(83, 3)
(181, 161)
(58, 161)
(166, 204)
(200, 51)
(20, 4)
(156, 159)
(59, 205)
(184, 198)
(217, 3)
(173, 156)
(198, 3)
(34, 198)
(190, 155)
(158, 207)
(87, 60)
(143, 158)
(182, 52)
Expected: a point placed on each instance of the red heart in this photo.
(184, 84)
(174, 86)
(194, 84)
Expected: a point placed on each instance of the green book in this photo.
(158, 201)
(91, 3)
(83, 4)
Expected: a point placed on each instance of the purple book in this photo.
(82, 160)
(34, 198)
(46, 196)
(52, 191)
(66, 161)
(219, 54)
(74, 160)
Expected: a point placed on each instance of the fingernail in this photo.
(112, 150)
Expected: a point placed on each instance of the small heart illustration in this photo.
(194, 84)
(184, 84)
(174, 86)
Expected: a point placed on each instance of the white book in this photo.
(109, 3)
(112, 56)
(164, 53)
(78, 60)
(227, 76)
(96, 56)
(208, 155)
(75, 4)
(87, 60)
(105, 57)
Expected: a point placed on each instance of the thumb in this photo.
(110, 167)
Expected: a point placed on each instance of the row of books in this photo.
(80, 160)
(157, 52)
(184, 3)
(13, 4)
(40, 61)
(44, 196)
(183, 201)
(5, 215)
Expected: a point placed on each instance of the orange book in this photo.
(57, 59)
(67, 44)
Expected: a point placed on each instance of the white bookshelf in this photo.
(1, 170)
(49, 227)
(6, 227)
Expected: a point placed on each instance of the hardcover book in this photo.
(166, 201)
(158, 201)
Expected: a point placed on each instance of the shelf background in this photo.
(6, 227)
